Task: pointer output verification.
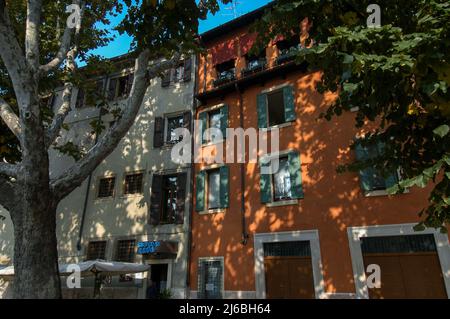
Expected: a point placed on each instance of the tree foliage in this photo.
(397, 74)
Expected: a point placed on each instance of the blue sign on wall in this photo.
(148, 247)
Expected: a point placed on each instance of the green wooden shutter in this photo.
(365, 175)
(289, 104)
(224, 187)
(295, 172)
(265, 184)
(392, 178)
(224, 120)
(203, 117)
(200, 192)
(261, 101)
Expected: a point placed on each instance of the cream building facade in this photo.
(136, 205)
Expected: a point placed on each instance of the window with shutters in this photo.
(210, 278)
(133, 184)
(212, 188)
(181, 73)
(372, 179)
(164, 132)
(120, 87)
(276, 108)
(90, 94)
(168, 199)
(96, 250)
(281, 178)
(174, 123)
(106, 187)
(126, 250)
(214, 124)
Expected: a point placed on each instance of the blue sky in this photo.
(121, 44)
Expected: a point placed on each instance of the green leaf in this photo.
(442, 130)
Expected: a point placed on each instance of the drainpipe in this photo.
(192, 179)
(88, 187)
(245, 235)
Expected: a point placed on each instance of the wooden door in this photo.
(289, 278)
(408, 275)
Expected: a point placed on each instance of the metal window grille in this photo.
(106, 187)
(210, 279)
(96, 250)
(133, 184)
(398, 244)
(287, 249)
(125, 250)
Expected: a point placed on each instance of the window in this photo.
(225, 72)
(210, 279)
(172, 124)
(163, 136)
(285, 46)
(255, 63)
(169, 202)
(212, 189)
(215, 120)
(371, 178)
(120, 87)
(181, 73)
(126, 250)
(275, 105)
(96, 250)
(133, 184)
(106, 187)
(168, 199)
(284, 183)
(275, 108)
(89, 94)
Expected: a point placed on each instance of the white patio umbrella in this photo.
(92, 268)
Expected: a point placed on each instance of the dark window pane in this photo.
(211, 279)
(133, 184)
(96, 250)
(398, 244)
(106, 187)
(170, 187)
(275, 105)
(288, 249)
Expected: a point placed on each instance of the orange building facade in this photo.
(304, 231)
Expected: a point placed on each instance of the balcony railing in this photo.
(224, 78)
(254, 67)
(288, 55)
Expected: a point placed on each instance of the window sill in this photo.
(103, 199)
(380, 193)
(267, 129)
(212, 211)
(354, 109)
(124, 196)
(283, 203)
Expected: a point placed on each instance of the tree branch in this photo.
(64, 46)
(34, 8)
(76, 174)
(10, 118)
(10, 50)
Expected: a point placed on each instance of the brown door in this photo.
(408, 275)
(289, 277)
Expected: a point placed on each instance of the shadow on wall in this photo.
(332, 201)
(121, 215)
